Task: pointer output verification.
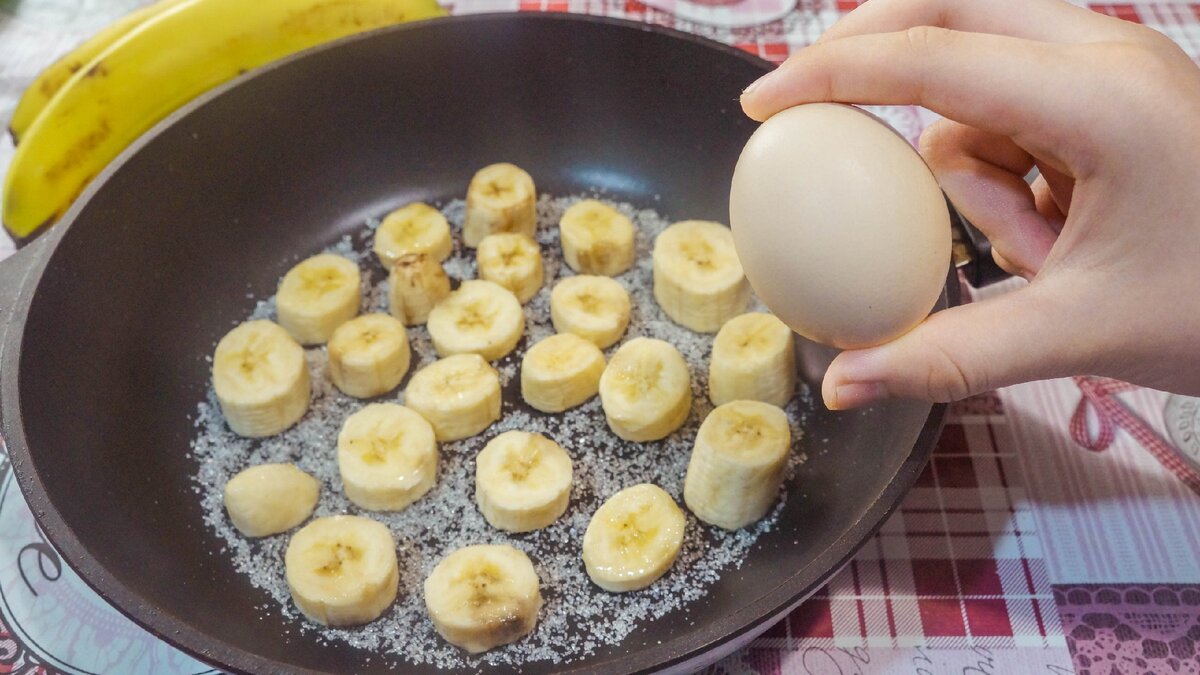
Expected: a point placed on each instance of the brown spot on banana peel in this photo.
(97, 70)
(77, 153)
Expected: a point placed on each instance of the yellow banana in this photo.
(52, 79)
(154, 69)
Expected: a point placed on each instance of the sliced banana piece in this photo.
(368, 355)
(387, 456)
(270, 498)
(522, 481)
(596, 238)
(646, 390)
(594, 308)
(483, 596)
(261, 379)
(633, 538)
(318, 295)
(561, 372)
(514, 261)
(480, 317)
(500, 198)
(698, 280)
(414, 228)
(459, 395)
(417, 283)
(342, 570)
(737, 463)
(754, 359)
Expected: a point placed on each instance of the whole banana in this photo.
(155, 68)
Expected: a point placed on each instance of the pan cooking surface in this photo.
(578, 617)
(171, 248)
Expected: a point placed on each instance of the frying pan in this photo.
(109, 315)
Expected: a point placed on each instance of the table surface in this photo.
(1053, 531)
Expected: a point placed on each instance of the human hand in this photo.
(1109, 233)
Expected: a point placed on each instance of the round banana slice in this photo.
(387, 456)
(737, 463)
(500, 198)
(522, 481)
(633, 538)
(754, 359)
(481, 317)
(483, 596)
(270, 498)
(594, 308)
(368, 355)
(318, 295)
(342, 570)
(698, 280)
(416, 284)
(261, 379)
(646, 390)
(596, 238)
(415, 228)
(514, 261)
(459, 395)
(561, 372)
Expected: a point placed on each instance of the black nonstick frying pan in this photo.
(107, 315)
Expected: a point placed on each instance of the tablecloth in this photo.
(1054, 530)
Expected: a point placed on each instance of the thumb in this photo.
(1024, 335)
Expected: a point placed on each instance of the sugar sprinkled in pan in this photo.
(577, 617)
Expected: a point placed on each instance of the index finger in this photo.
(1000, 84)
(1045, 20)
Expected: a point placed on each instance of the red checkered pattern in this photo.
(959, 566)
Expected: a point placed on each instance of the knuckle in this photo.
(947, 383)
(924, 40)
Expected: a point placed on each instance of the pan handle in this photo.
(972, 252)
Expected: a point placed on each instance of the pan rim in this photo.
(190, 640)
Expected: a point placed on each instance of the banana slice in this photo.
(737, 463)
(415, 228)
(646, 390)
(481, 317)
(698, 280)
(500, 198)
(368, 355)
(561, 372)
(261, 379)
(514, 261)
(387, 457)
(753, 359)
(416, 285)
(270, 498)
(596, 238)
(522, 481)
(483, 596)
(594, 308)
(342, 570)
(633, 538)
(459, 395)
(318, 295)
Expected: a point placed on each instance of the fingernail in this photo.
(755, 84)
(855, 395)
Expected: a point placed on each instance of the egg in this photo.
(840, 226)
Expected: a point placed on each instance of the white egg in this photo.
(840, 226)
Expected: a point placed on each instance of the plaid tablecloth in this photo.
(1020, 550)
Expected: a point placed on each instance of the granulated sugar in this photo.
(577, 617)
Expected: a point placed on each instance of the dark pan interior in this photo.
(158, 265)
